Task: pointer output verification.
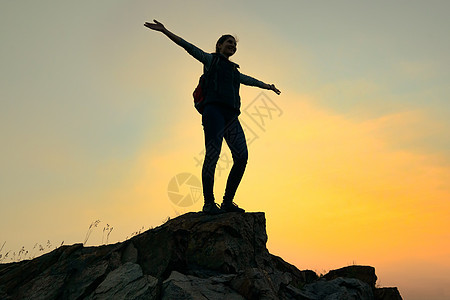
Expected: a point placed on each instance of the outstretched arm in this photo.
(248, 80)
(157, 26)
(193, 50)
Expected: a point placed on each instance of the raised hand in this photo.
(155, 26)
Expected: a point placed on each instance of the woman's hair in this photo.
(222, 39)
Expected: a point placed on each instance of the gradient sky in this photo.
(96, 118)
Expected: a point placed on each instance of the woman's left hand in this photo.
(273, 88)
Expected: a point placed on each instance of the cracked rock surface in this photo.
(193, 256)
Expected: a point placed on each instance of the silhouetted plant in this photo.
(106, 230)
(91, 228)
(40, 249)
(1, 249)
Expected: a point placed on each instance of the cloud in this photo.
(346, 183)
(417, 70)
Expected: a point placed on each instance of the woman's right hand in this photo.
(155, 26)
(160, 27)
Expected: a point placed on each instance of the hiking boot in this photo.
(231, 207)
(212, 208)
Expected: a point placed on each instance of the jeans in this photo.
(220, 123)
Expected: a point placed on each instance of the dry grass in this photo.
(8, 256)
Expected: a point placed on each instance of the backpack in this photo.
(200, 91)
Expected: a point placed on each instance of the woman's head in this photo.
(226, 45)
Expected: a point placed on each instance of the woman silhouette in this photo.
(221, 108)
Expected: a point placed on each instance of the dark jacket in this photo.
(223, 84)
(224, 88)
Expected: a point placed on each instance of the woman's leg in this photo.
(213, 126)
(235, 138)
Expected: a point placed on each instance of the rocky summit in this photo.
(193, 256)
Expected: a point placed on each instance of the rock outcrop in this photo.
(194, 256)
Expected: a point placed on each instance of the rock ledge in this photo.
(193, 256)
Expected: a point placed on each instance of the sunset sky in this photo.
(351, 167)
